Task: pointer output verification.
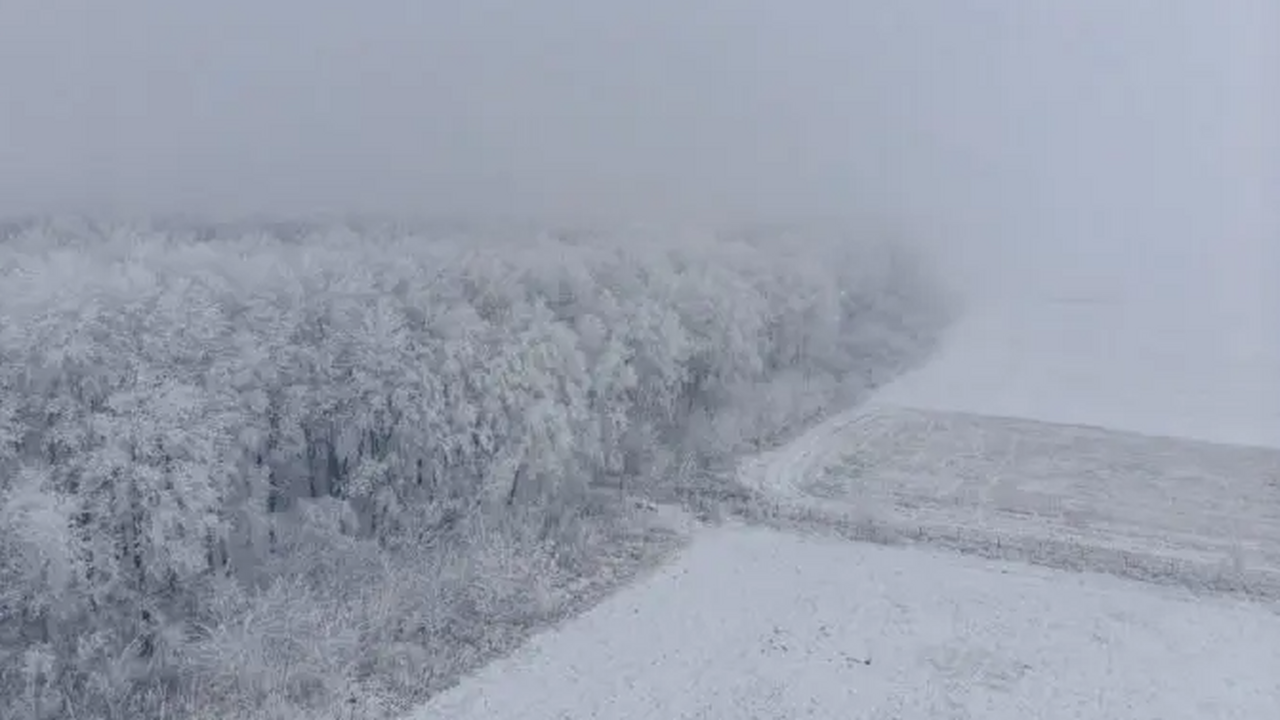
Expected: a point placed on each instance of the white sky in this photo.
(1031, 124)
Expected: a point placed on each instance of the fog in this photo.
(1030, 132)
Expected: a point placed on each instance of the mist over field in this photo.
(1125, 129)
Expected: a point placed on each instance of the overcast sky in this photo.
(1066, 121)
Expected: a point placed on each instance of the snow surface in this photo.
(1172, 510)
(753, 623)
(1177, 364)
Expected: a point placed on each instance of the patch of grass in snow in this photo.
(1162, 510)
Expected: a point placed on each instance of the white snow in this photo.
(1166, 358)
(1164, 509)
(751, 623)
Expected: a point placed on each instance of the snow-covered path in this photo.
(988, 442)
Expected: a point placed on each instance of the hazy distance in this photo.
(1020, 136)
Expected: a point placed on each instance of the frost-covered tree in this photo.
(204, 427)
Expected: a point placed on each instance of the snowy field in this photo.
(752, 623)
(1189, 512)
(1171, 359)
(1081, 433)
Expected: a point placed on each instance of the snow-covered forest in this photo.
(310, 470)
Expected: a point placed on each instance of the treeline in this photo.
(196, 422)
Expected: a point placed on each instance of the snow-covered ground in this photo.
(1112, 429)
(752, 623)
(1164, 353)
(1170, 510)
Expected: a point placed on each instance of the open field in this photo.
(1164, 509)
(752, 623)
